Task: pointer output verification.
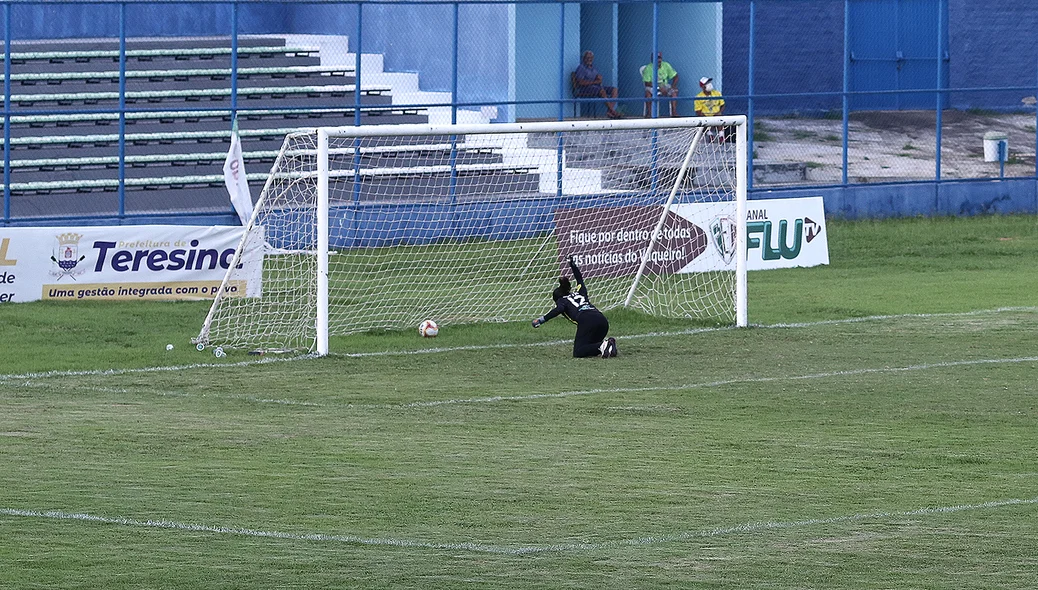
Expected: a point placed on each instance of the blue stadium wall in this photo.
(799, 48)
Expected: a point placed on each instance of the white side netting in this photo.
(475, 227)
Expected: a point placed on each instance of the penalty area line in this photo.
(688, 332)
(166, 369)
(721, 383)
(695, 331)
(746, 528)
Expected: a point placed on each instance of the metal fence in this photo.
(121, 112)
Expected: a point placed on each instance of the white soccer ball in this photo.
(169, 347)
(428, 329)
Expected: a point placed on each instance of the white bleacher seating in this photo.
(65, 125)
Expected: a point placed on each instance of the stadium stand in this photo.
(65, 122)
(174, 130)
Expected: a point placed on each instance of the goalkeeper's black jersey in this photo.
(573, 306)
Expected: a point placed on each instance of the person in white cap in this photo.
(706, 106)
(710, 104)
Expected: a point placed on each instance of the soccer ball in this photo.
(428, 329)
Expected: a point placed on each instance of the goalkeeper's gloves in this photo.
(537, 322)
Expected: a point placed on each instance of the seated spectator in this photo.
(667, 77)
(708, 107)
(710, 104)
(587, 83)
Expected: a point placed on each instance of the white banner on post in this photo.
(235, 180)
(784, 233)
(164, 262)
(780, 233)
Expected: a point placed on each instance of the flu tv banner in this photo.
(786, 233)
(157, 262)
(695, 237)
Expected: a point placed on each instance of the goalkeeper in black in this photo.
(592, 326)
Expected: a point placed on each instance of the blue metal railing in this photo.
(460, 88)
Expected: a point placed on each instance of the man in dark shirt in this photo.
(587, 83)
(592, 326)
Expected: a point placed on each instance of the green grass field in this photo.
(874, 428)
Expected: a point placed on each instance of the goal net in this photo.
(381, 227)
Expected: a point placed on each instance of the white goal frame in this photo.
(736, 123)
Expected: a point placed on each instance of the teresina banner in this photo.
(121, 262)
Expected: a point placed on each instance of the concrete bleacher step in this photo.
(216, 120)
(417, 159)
(271, 58)
(385, 187)
(109, 184)
(436, 151)
(180, 79)
(29, 179)
(171, 142)
(202, 199)
(197, 164)
(154, 44)
(284, 97)
(220, 123)
(57, 59)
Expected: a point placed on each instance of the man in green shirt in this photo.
(667, 77)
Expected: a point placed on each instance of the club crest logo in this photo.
(66, 256)
(722, 232)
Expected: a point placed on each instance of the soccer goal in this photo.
(381, 227)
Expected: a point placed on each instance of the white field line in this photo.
(745, 528)
(564, 394)
(48, 374)
(826, 375)
(105, 372)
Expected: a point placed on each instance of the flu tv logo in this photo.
(786, 233)
(66, 256)
(780, 242)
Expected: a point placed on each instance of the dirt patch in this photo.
(891, 146)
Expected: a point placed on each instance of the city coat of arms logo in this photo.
(66, 256)
(722, 232)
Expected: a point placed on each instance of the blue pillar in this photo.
(452, 189)
(846, 83)
(559, 142)
(122, 110)
(940, 87)
(7, 112)
(357, 77)
(750, 90)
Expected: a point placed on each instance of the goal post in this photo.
(380, 227)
